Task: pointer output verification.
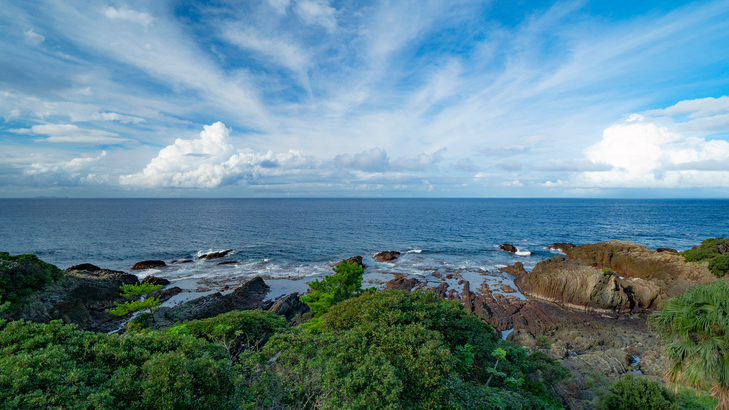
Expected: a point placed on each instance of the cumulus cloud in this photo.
(211, 162)
(68, 133)
(641, 154)
(33, 38)
(125, 14)
(572, 165)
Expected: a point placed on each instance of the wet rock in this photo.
(386, 256)
(164, 295)
(156, 281)
(574, 285)
(183, 261)
(227, 263)
(561, 246)
(441, 290)
(507, 289)
(215, 255)
(248, 296)
(402, 283)
(84, 267)
(507, 247)
(148, 265)
(356, 260)
(289, 306)
(666, 270)
(669, 250)
(516, 269)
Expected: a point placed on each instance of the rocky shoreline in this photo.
(588, 309)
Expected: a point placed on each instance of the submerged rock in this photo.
(143, 265)
(215, 255)
(386, 256)
(561, 246)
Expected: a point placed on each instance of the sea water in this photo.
(302, 238)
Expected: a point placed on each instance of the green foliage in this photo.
(695, 329)
(688, 399)
(344, 284)
(122, 309)
(129, 290)
(606, 271)
(396, 350)
(56, 366)
(21, 275)
(543, 342)
(707, 251)
(638, 393)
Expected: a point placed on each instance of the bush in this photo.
(719, 265)
(56, 366)
(21, 275)
(122, 309)
(344, 284)
(638, 393)
(708, 251)
(396, 350)
(131, 290)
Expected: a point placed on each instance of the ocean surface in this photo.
(301, 238)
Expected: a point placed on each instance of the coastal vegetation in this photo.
(21, 275)
(132, 290)
(713, 250)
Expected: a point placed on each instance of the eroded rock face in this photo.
(386, 256)
(248, 296)
(289, 306)
(516, 269)
(508, 247)
(576, 286)
(667, 271)
(215, 255)
(143, 265)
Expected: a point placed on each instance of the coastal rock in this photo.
(666, 270)
(669, 250)
(386, 256)
(723, 248)
(402, 283)
(248, 296)
(508, 247)
(507, 289)
(227, 263)
(182, 261)
(561, 246)
(156, 281)
(148, 265)
(165, 294)
(289, 306)
(574, 285)
(215, 255)
(356, 260)
(84, 267)
(516, 269)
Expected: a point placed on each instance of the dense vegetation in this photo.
(709, 251)
(695, 329)
(21, 275)
(639, 393)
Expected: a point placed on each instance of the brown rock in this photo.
(215, 255)
(156, 281)
(143, 265)
(227, 263)
(165, 294)
(669, 250)
(516, 269)
(385, 256)
(441, 290)
(84, 267)
(723, 248)
(507, 289)
(183, 261)
(561, 246)
(507, 247)
(289, 306)
(356, 260)
(402, 283)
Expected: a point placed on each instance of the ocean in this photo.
(296, 239)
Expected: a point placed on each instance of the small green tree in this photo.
(695, 328)
(638, 393)
(344, 284)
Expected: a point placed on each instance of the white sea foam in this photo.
(523, 253)
(415, 251)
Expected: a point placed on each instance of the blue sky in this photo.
(364, 99)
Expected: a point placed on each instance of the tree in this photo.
(344, 284)
(695, 328)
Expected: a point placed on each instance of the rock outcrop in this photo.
(516, 269)
(289, 306)
(143, 265)
(561, 246)
(248, 296)
(508, 247)
(156, 281)
(386, 256)
(355, 260)
(400, 282)
(667, 271)
(215, 255)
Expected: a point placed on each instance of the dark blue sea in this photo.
(297, 238)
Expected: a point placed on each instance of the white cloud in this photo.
(510, 165)
(374, 160)
(211, 162)
(317, 12)
(128, 15)
(73, 166)
(420, 162)
(280, 51)
(466, 165)
(701, 107)
(645, 155)
(33, 38)
(13, 114)
(68, 133)
(514, 183)
(280, 5)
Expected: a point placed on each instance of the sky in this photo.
(320, 98)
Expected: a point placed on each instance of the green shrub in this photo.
(719, 265)
(21, 275)
(606, 271)
(56, 366)
(131, 290)
(344, 284)
(708, 251)
(638, 393)
(122, 309)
